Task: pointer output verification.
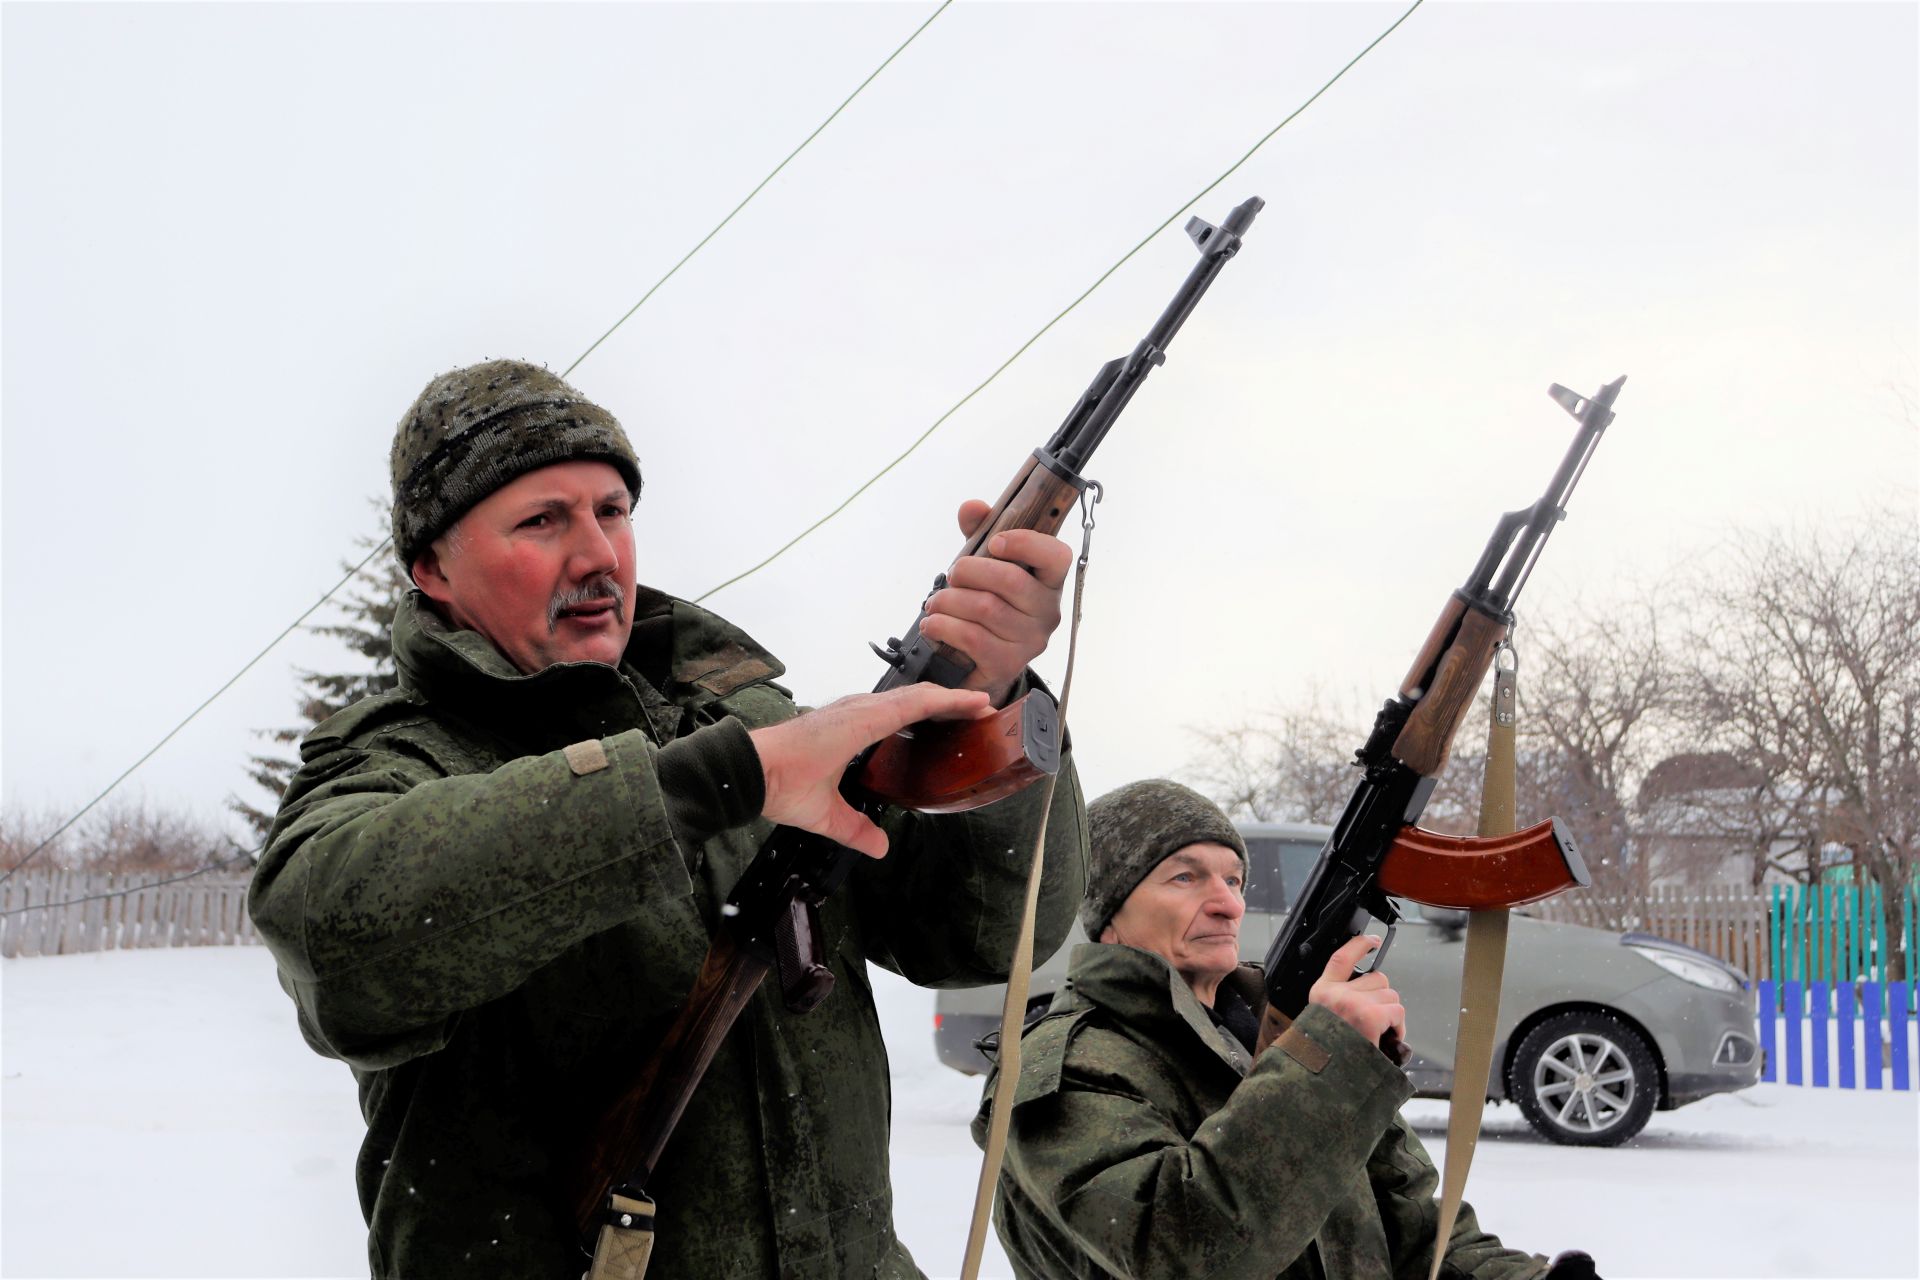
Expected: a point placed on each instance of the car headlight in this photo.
(1701, 973)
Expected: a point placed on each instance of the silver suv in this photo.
(1597, 1030)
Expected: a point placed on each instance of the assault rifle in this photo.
(1376, 853)
(770, 921)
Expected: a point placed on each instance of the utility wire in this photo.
(88, 806)
(763, 182)
(872, 480)
(922, 438)
(386, 542)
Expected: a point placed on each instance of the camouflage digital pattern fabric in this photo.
(492, 931)
(1143, 1146)
(1132, 829)
(474, 429)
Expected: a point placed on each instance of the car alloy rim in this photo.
(1584, 1083)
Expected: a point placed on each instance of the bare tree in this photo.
(1595, 698)
(1806, 665)
(120, 836)
(1594, 714)
(1290, 764)
(1295, 763)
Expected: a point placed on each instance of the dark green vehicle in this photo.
(1596, 1032)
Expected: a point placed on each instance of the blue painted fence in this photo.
(1838, 1011)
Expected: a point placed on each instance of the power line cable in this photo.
(869, 483)
(386, 542)
(763, 182)
(922, 438)
(127, 772)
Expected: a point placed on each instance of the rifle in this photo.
(1376, 852)
(770, 921)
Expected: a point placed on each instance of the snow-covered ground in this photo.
(160, 1117)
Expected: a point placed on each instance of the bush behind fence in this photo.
(51, 913)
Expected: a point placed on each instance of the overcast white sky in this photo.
(239, 238)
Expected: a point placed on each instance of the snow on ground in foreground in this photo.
(161, 1117)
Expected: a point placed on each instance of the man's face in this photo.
(542, 567)
(1188, 909)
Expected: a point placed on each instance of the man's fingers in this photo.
(972, 512)
(865, 718)
(1343, 962)
(1041, 554)
(847, 826)
(918, 702)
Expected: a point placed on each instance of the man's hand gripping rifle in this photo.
(770, 921)
(1376, 853)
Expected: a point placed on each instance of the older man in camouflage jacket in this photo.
(1147, 1142)
(489, 890)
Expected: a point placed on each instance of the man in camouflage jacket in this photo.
(1147, 1142)
(489, 890)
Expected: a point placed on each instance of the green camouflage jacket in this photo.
(1146, 1143)
(488, 892)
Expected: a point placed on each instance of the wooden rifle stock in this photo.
(633, 1132)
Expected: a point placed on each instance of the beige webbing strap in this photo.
(626, 1242)
(1013, 1013)
(1480, 975)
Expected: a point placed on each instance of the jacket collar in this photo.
(1141, 989)
(679, 659)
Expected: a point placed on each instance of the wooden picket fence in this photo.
(1835, 1010)
(1728, 921)
(52, 913)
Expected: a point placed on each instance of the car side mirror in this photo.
(1451, 923)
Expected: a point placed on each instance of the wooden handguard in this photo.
(1449, 684)
(951, 766)
(1037, 498)
(1474, 873)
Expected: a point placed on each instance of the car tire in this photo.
(1585, 1079)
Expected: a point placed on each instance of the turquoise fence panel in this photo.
(1769, 1050)
(1870, 999)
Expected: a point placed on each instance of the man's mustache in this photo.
(592, 591)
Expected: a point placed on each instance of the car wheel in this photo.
(1585, 1079)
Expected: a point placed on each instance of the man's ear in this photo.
(429, 577)
(1108, 935)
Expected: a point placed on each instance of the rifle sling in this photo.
(1486, 955)
(625, 1242)
(1013, 1011)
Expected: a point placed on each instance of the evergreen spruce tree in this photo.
(366, 607)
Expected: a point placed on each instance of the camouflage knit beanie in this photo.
(477, 428)
(1133, 829)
